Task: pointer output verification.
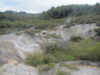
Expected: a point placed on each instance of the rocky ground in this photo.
(79, 68)
(14, 46)
(19, 69)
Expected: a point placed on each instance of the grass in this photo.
(43, 62)
(84, 50)
(7, 26)
(13, 26)
(53, 36)
(60, 53)
(59, 72)
(35, 59)
(86, 20)
(75, 38)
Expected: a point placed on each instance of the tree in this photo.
(97, 8)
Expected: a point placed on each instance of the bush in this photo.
(7, 26)
(86, 20)
(65, 57)
(52, 54)
(75, 38)
(59, 52)
(35, 59)
(53, 36)
(98, 23)
(59, 72)
(97, 30)
(86, 50)
(30, 32)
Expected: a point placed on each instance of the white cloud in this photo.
(36, 6)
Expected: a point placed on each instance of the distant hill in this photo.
(14, 15)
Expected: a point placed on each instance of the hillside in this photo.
(16, 46)
(63, 40)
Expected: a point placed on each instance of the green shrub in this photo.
(59, 72)
(75, 38)
(86, 19)
(86, 50)
(53, 36)
(97, 30)
(35, 59)
(98, 23)
(65, 57)
(7, 26)
(59, 52)
(30, 32)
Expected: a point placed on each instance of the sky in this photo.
(38, 6)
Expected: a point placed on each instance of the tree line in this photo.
(55, 12)
(14, 15)
(71, 10)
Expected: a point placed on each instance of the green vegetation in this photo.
(38, 58)
(86, 20)
(53, 36)
(97, 30)
(84, 50)
(59, 52)
(12, 21)
(7, 26)
(81, 49)
(71, 10)
(59, 72)
(14, 15)
(75, 38)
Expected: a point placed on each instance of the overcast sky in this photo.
(37, 6)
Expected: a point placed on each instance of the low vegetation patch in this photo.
(86, 20)
(38, 58)
(97, 30)
(75, 38)
(59, 52)
(60, 72)
(53, 36)
(7, 26)
(86, 49)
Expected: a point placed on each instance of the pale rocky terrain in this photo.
(14, 46)
(81, 68)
